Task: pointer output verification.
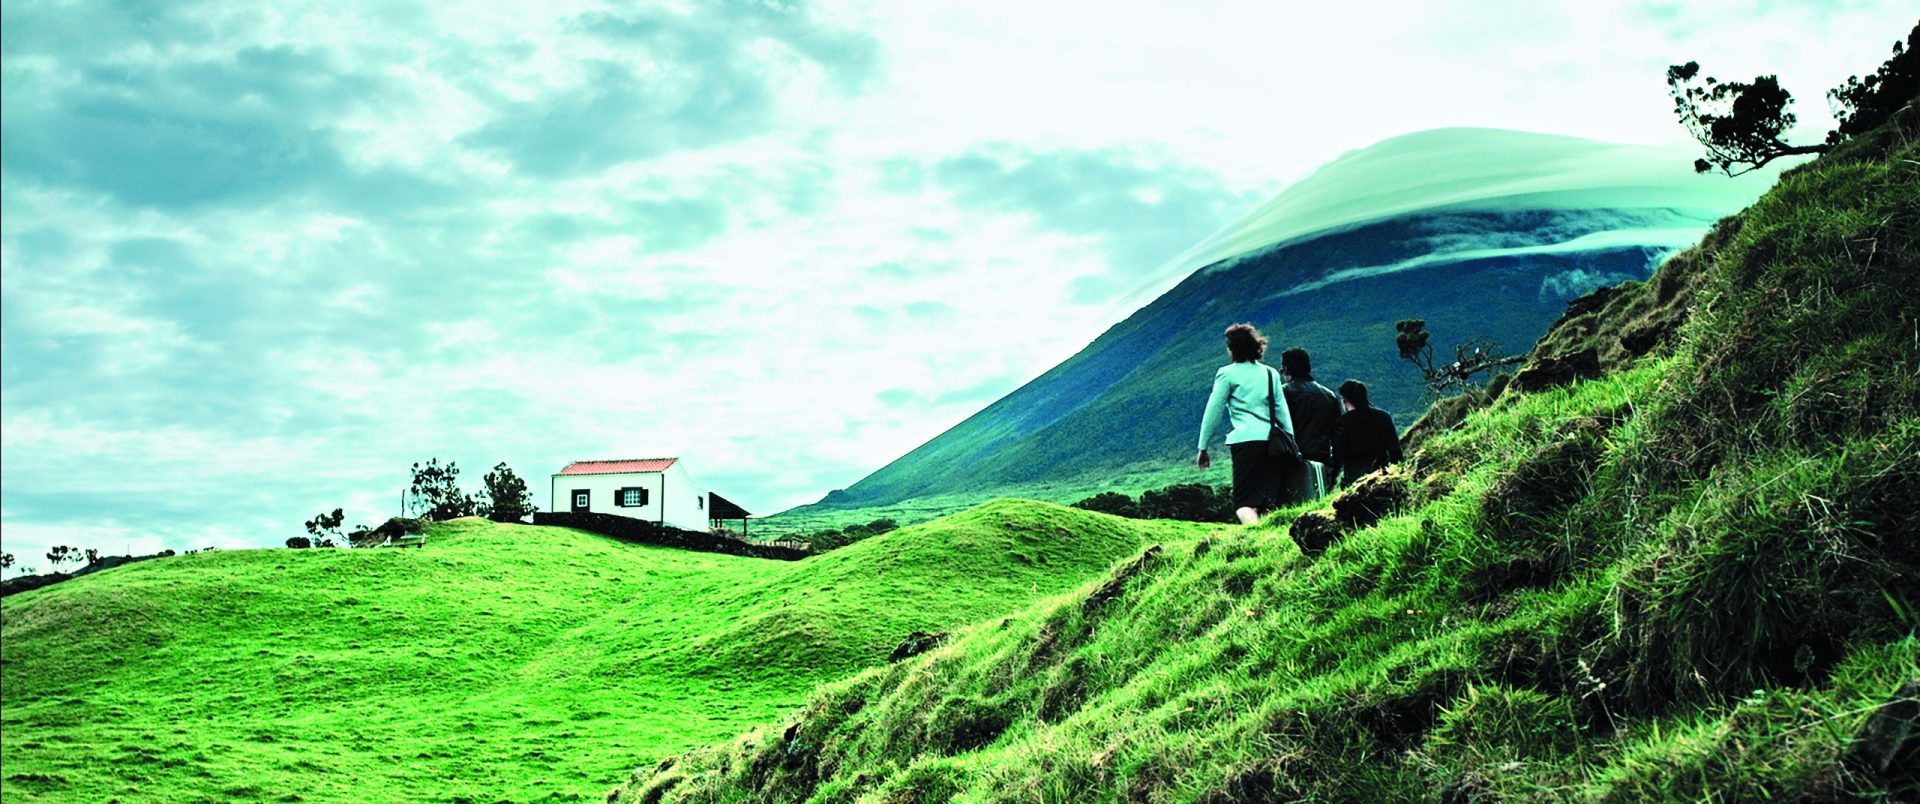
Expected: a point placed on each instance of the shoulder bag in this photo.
(1280, 443)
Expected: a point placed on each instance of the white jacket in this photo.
(1240, 392)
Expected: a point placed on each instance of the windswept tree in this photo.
(504, 495)
(325, 528)
(435, 493)
(1470, 358)
(1744, 124)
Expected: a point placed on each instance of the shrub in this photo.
(1192, 502)
(1110, 502)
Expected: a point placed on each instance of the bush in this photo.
(299, 542)
(832, 539)
(1110, 502)
(1192, 502)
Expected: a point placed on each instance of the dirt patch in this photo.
(1531, 571)
(1255, 785)
(1314, 532)
(1066, 694)
(1889, 735)
(1548, 480)
(970, 726)
(1556, 370)
(917, 643)
(1117, 585)
(1371, 498)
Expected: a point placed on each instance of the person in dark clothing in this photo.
(1365, 440)
(1315, 412)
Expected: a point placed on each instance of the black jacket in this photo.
(1364, 442)
(1315, 412)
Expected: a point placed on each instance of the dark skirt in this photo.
(1256, 476)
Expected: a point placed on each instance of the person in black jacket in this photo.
(1365, 440)
(1315, 413)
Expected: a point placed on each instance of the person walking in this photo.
(1365, 440)
(1243, 393)
(1315, 411)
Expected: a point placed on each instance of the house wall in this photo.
(686, 501)
(683, 501)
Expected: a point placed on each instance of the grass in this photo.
(499, 662)
(1130, 480)
(1692, 579)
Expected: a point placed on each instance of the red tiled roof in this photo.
(620, 467)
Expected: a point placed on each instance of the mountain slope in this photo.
(1480, 232)
(526, 663)
(1693, 578)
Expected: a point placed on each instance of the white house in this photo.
(653, 489)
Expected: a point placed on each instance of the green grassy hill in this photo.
(498, 663)
(1695, 578)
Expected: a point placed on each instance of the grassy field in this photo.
(1130, 480)
(498, 663)
(1695, 578)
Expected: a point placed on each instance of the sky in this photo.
(256, 259)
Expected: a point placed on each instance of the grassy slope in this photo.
(497, 663)
(1696, 578)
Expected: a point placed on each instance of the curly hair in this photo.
(1246, 343)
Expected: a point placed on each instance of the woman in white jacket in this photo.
(1241, 393)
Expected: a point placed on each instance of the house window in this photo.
(633, 498)
(701, 502)
(579, 499)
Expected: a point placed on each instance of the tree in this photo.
(1474, 356)
(435, 493)
(827, 539)
(6, 560)
(1740, 124)
(1743, 125)
(505, 495)
(93, 556)
(325, 528)
(61, 554)
(1861, 104)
